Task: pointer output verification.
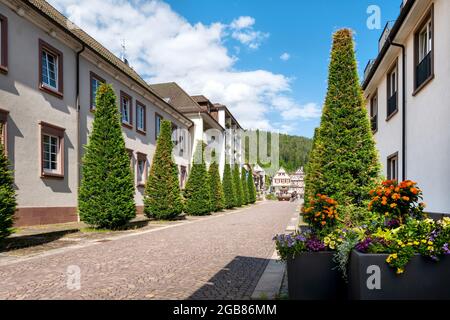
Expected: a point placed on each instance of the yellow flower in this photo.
(326, 240)
(416, 243)
(424, 241)
(400, 270)
(430, 248)
(430, 243)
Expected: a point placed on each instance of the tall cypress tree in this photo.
(197, 192)
(162, 192)
(251, 188)
(245, 198)
(227, 186)
(217, 197)
(346, 161)
(237, 186)
(7, 195)
(312, 169)
(106, 197)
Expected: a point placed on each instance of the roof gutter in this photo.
(403, 14)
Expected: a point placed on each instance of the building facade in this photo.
(298, 182)
(407, 92)
(281, 181)
(49, 74)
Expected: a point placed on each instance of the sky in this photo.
(266, 60)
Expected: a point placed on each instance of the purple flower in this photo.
(314, 244)
(446, 249)
(363, 246)
(394, 223)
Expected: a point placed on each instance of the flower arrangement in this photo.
(290, 245)
(321, 212)
(397, 201)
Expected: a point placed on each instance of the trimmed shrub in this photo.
(228, 189)
(344, 164)
(162, 191)
(217, 197)
(197, 192)
(106, 196)
(251, 188)
(237, 186)
(7, 195)
(245, 199)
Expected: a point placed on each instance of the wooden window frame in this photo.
(129, 124)
(137, 105)
(4, 129)
(139, 157)
(393, 69)
(44, 46)
(92, 76)
(4, 48)
(50, 129)
(389, 167)
(157, 115)
(429, 15)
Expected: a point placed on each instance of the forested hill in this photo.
(294, 150)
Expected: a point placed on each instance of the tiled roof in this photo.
(179, 98)
(44, 8)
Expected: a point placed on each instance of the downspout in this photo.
(78, 106)
(403, 106)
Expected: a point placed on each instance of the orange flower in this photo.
(397, 189)
(323, 223)
(395, 196)
(414, 190)
(405, 198)
(393, 205)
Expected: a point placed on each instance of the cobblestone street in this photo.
(221, 257)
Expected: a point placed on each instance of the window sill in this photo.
(141, 132)
(52, 175)
(423, 85)
(141, 185)
(51, 91)
(4, 69)
(389, 117)
(127, 125)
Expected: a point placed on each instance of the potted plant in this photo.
(311, 270)
(406, 255)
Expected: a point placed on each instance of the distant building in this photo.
(298, 183)
(281, 181)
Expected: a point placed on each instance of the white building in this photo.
(281, 181)
(407, 88)
(297, 182)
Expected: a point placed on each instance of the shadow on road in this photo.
(236, 281)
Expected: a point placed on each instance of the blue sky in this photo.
(230, 50)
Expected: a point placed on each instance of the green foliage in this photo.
(245, 199)
(271, 197)
(344, 164)
(197, 192)
(217, 197)
(228, 188)
(162, 198)
(312, 169)
(251, 188)
(293, 150)
(239, 194)
(106, 197)
(7, 195)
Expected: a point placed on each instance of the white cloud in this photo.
(285, 56)
(242, 30)
(162, 46)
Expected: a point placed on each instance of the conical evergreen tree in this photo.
(162, 192)
(7, 195)
(217, 197)
(197, 192)
(237, 186)
(251, 188)
(228, 189)
(345, 161)
(106, 197)
(312, 169)
(245, 198)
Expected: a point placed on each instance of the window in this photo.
(3, 44)
(175, 137)
(141, 125)
(392, 96)
(392, 167)
(183, 173)
(374, 113)
(51, 67)
(141, 169)
(96, 81)
(158, 120)
(424, 59)
(125, 109)
(3, 129)
(52, 150)
(130, 156)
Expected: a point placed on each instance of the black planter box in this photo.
(314, 276)
(423, 279)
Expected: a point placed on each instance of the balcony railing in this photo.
(392, 104)
(374, 123)
(423, 70)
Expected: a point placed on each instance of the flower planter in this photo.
(422, 279)
(313, 276)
